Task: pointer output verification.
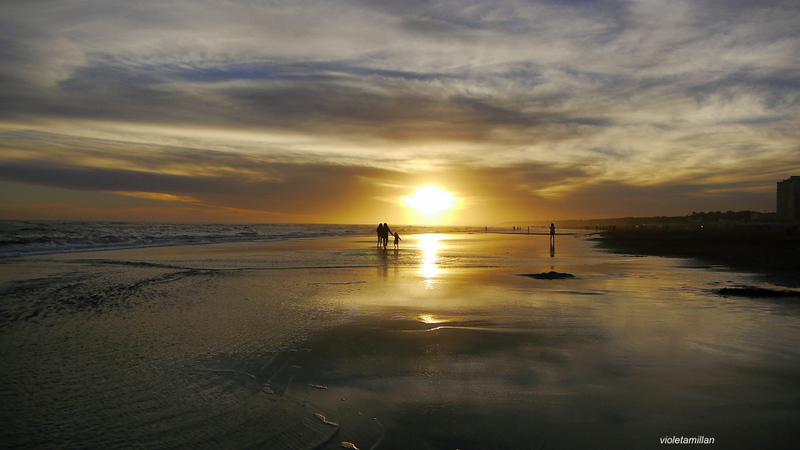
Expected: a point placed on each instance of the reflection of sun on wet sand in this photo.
(429, 268)
(304, 344)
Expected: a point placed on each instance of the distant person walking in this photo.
(552, 232)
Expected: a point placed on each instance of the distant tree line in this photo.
(731, 217)
(712, 217)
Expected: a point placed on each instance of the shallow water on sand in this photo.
(439, 344)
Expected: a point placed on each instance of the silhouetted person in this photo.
(552, 234)
(397, 240)
(379, 230)
(386, 232)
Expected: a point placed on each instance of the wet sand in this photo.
(440, 344)
(770, 252)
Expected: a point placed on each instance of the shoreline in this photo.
(773, 256)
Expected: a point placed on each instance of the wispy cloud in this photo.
(289, 106)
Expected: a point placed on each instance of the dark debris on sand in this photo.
(552, 275)
(756, 292)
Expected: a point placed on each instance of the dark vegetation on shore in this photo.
(696, 219)
(768, 250)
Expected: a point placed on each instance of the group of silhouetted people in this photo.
(383, 235)
(384, 232)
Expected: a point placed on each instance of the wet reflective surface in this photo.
(438, 344)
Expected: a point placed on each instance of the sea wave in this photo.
(22, 238)
(27, 238)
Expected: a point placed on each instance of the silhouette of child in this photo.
(397, 239)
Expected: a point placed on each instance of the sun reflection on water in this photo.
(430, 319)
(430, 245)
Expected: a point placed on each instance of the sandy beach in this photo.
(440, 344)
(769, 250)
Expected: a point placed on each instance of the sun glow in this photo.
(430, 200)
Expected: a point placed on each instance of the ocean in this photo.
(23, 238)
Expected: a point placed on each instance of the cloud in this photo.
(203, 99)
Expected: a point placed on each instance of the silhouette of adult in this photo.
(379, 230)
(386, 232)
(552, 233)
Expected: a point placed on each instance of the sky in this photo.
(323, 111)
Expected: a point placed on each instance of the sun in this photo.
(430, 200)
